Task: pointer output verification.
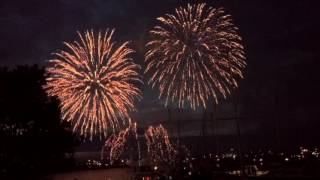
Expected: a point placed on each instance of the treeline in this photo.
(33, 140)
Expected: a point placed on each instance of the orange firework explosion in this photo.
(195, 55)
(95, 83)
(160, 149)
(114, 145)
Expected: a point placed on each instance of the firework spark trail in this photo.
(195, 55)
(95, 82)
(115, 144)
(138, 143)
(160, 149)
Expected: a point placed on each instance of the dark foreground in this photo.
(129, 174)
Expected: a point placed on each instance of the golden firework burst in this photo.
(160, 149)
(195, 55)
(95, 82)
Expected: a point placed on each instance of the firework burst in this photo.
(114, 145)
(195, 55)
(160, 149)
(95, 82)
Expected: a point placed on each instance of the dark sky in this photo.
(281, 40)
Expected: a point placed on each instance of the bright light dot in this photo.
(155, 168)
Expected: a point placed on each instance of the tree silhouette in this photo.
(33, 139)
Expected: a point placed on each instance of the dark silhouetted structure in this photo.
(33, 139)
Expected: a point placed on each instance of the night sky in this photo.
(281, 41)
